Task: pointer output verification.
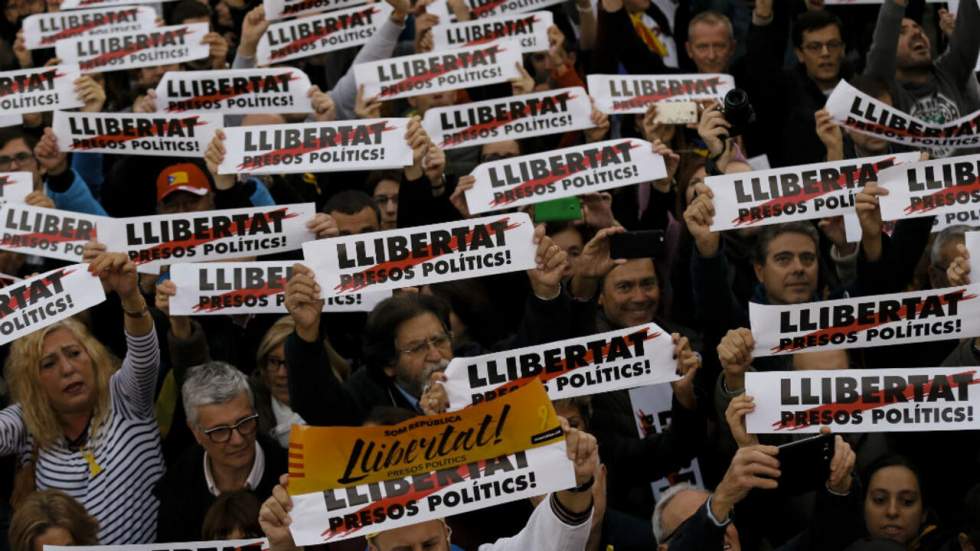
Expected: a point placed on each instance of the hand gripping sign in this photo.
(131, 50)
(321, 33)
(529, 30)
(235, 91)
(368, 144)
(588, 168)
(615, 360)
(410, 257)
(431, 72)
(222, 288)
(35, 303)
(43, 30)
(37, 90)
(510, 118)
(864, 400)
(154, 134)
(878, 320)
(278, 9)
(616, 94)
(365, 478)
(15, 186)
(805, 192)
(227, 545)
(154, 241)
(862, 113)
(925, 188)
(50, 233)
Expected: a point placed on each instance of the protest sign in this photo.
(220, 288)
(50, 233)
(36, 303)
(567, 172)
(42, 30)
(15, 186)
(878, 320)
(278, 9)
(947, 219)
(973, 247)
(323, 458)
(7, 279)
(652, 406)
(857, 111)
(805, 192)
(615, 360)
(339, 514)
(235, 91)
(131, 50)
(154, 134)
(427, 73)
(925, 188)
(154, 241)
(411, 257)
(495, 8)
(510, 118)
(225, 545)
(616, 94)
(530, 31)
(864, 400)
(77, 4)
(365, 144)
(10, 120)
(321, 33)
(37, 90)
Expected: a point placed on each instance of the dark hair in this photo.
(189, 9)
(813, 20)
(232, 510)
(893, 460)
(11, 133)
(388, 415)
(969, 521)
(376, 176)
(383, 322)
(470, 301)
(869, 85)
(772, 232)
(556, 227)
(351, 201)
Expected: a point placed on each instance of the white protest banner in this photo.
(615, 360)
(864, 400)
(804, 192)
(321, 33)
(495, 8)
(925, 188)
(36, 303)
(38, 90)
(588, 168)
(78, 4)
(510, 118)
(235, 91)
(409, 257)
(871, 2)
(616, 94)
(225, 545)
(278, 9)
(10, 120)
(339, 514)
(862, 113)
(42, 30)
(257, 287)
(973, 247)
(652, 406)
(530, 31)
(156, 134)
(131, 50)
(878, 320)
(154, 241)
(427, 73)
(15, 186)
(50, 233)
(6, 280)
(364, 144)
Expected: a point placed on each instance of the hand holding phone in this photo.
(805, 464)
(636, 244)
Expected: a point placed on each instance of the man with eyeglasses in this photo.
(230, 455)
(936, 90)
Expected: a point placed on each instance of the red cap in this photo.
(182, 177)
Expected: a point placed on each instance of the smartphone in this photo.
(558, 210)
(636, 244)
(676, 112)
(805, 464)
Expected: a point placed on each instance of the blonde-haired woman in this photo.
(88, 424)
(51, 517)
(270, 383)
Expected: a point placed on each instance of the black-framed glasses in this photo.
(273, 363)
(23, 158)
(245, 427)
(817, 47)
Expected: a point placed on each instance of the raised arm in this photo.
(884, 45)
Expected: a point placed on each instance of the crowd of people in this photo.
(186, 438)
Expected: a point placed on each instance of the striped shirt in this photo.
(126, 447)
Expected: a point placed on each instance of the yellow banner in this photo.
(322, 458)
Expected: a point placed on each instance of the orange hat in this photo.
(182, 177)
